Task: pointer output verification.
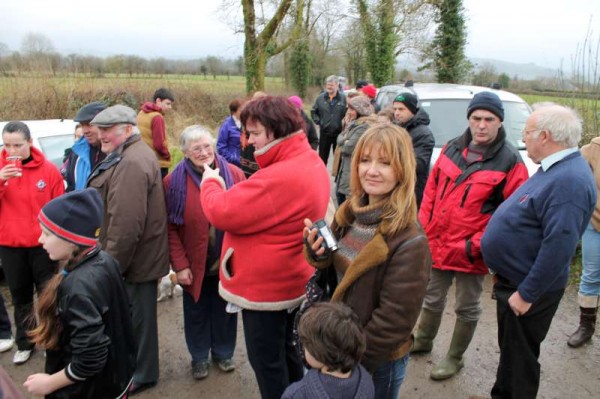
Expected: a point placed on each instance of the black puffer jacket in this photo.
(423, 142)
(96, 343)
(328, 115)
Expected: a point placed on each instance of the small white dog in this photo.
(167, 287)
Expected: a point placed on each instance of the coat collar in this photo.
(370, 256)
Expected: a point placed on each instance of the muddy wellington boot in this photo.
(587, 326)
(453, 362)
(429, 323)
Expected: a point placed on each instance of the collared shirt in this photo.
(557, 156)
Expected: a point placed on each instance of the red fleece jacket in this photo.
(21, 199)
(262, 265)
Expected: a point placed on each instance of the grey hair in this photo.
(563, 123)
(332, 78)
(193, 133)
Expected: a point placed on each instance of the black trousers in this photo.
(519, 338)
(24, 269)
(271, 352)
(5, 330)
(327, 143)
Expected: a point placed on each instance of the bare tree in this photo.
(263, 20)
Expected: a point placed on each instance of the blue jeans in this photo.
(389, 377)
(590, 276)
(207, 326)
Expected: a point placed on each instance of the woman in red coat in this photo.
(194, 251)
(24, 188)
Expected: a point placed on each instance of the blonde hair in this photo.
(400, 209)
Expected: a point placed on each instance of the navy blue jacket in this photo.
(532, 236)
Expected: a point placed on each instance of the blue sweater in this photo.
(228, 142)
(532, 236)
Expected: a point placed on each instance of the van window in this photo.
(54, 147)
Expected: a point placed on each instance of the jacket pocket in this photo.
(226, 266)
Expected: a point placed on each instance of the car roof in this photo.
(427, 91)
(48, 127)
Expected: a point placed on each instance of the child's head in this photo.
(332, 335)
(70, 222)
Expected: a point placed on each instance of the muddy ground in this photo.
(566, 372)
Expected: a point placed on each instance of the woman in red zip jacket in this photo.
(25, 186)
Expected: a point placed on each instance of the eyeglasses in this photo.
(526, 132)
(199, 149)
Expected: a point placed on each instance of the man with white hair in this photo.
(328, 113)
(134, 230)
(529, 243)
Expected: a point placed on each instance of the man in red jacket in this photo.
(25, 186)
(474, 174)
(152, 126)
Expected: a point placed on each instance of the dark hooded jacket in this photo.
(423, 142)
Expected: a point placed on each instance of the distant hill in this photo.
(523, 71)
(527, 71)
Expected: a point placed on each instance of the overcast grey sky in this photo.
(539, 31)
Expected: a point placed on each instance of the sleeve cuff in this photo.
(72, 376)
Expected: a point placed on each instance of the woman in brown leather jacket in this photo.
(383, 261)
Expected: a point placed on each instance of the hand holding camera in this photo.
(319, 237)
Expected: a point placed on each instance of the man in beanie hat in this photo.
(83, 312)
(134, 230)
(328, 112)
(86, 153)
(474, 174)
(415, 120)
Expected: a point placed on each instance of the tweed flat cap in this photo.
(115, 115)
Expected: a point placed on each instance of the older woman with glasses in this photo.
(195, 249)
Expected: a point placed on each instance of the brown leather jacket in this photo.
(134, 230)
(385, 286)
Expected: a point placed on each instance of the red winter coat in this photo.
(262, 265)
(21, 199)
(459, 200)
(188, 243)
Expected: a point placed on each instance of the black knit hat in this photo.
(409, 100)
(360, 84)
(89, 111)
(75, 217)
(488, 101)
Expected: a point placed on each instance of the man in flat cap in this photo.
(86, 153)
(474, 174)
(134, 230)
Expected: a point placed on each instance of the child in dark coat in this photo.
(84, 317)
(333, 343)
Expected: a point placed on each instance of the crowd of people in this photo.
(240, 221)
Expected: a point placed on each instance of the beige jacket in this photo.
(591, 153)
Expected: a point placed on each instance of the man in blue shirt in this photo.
(529, 243)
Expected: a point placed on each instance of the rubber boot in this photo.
(429, 324)
(453, 362)
(587, 326)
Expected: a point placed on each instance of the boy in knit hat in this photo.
(334, 344)
(84, 319)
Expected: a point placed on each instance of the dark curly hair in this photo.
(332, 334)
